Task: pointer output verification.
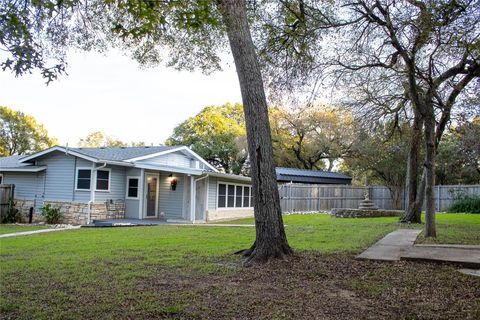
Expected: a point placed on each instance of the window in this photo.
(231, 196)
(234, 196)
(103, 180)
(132, 187)
(1, 178)
(83, 179)
(222, 195)
(246, 196)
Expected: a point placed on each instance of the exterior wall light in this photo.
(173, 182)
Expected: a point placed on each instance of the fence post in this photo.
(438, 198)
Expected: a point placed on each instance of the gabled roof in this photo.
(311, 176)
(126, 156)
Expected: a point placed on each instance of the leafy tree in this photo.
(21, 134)
(459, 155)
(310, 137)
(381, 152)
(100, 139)
(217, 133)
(416, 58)
(193, 32)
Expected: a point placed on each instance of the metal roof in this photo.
(311, 176)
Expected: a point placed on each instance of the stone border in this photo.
(363, 213)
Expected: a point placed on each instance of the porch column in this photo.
(192, 199)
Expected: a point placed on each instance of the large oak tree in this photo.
(188, 35)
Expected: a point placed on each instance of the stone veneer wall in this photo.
(363, 213)
(72, 212)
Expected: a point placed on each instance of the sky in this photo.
(111, 93)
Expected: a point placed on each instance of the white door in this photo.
(151, 195)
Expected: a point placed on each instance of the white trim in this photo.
(93, 177)
(159, 167)
(58, 148)
(25, 169)
(140, 201)
(182, 148)
(193, 191)
(157, 175)
(152, 155)
(201, 159)
(138, 188)
(76, 178)
(234, 195)
(109, 179)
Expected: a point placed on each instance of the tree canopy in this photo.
(217, 133)
(100, 139)
(21, 134)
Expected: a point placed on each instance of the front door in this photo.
(151, 196)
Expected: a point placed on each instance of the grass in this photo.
(12, 228)
(189, 272)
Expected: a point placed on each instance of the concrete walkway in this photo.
(27, 233)
(392, 246)
(400, 245)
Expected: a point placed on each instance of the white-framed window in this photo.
(133, 184)
(84, 177)
(231, 195)
(103, 180)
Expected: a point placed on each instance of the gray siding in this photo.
(132, 207)
(170, 201)
(59, 176)
(175, 159)
(212, 193)
(26, 185)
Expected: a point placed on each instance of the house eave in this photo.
(24, 169)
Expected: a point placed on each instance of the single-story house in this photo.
(293, 175)
(161, 182)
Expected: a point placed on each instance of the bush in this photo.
(13, 214)
(52, 215)
(468, 204)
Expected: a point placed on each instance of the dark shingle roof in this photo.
(121, 153)
(311, 176)
(11, 162)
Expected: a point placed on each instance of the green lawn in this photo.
(12, 228)
(190, 272)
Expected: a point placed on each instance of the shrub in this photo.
(468, 204)
(52, 215)
(13, 214)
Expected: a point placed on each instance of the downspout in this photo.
(193, 184)
(93, 179)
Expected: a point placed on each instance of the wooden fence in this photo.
(6, 193)
(310, 198)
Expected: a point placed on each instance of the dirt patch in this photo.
(314, 286)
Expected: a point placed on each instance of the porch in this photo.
(156, 196)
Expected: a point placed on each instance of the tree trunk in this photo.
(413, 211)
(271, 240)
(430, 229)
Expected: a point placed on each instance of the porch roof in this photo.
(191, 171)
